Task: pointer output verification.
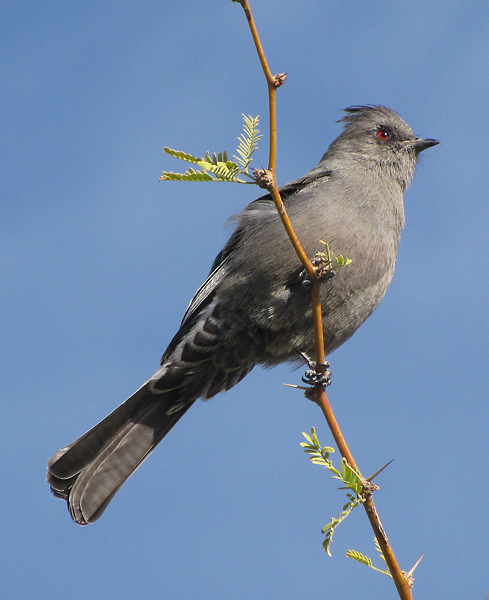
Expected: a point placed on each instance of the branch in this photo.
(320, 397)
(270, 182)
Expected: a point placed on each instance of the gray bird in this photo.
(254, 307)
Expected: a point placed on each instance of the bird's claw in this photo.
(323, 275)
(313, 376)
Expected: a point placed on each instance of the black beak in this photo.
(421, 144)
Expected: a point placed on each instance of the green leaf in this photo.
(182, 155)
(327, 527)
(247, 142)
(223, 171)
(330, 528)
(361, 558)
(341, 261)
(315, 438)
(327, 261)
(351, 477)
(195, 176)
(365, 560)
(217, 167)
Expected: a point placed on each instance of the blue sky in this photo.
(99, 260)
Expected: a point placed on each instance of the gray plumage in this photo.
(253, 308)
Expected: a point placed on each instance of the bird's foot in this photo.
(322, 275)
(313, 376)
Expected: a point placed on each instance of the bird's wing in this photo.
(220, 268)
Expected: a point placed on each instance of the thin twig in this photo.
(273, 82)
(279, 204)
(400, 580)
(270, 81)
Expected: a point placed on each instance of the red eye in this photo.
(383, 134)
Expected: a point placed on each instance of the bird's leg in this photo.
(312, 376)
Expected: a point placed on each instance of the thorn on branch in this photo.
(297, 387)
(371, 478)
(263, 178)
(279, 79)
(409, 576)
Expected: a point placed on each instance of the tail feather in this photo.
(71, 459)
(88, 472)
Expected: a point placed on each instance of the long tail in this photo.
(88, 472)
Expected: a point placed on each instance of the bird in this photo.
(254, 307)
